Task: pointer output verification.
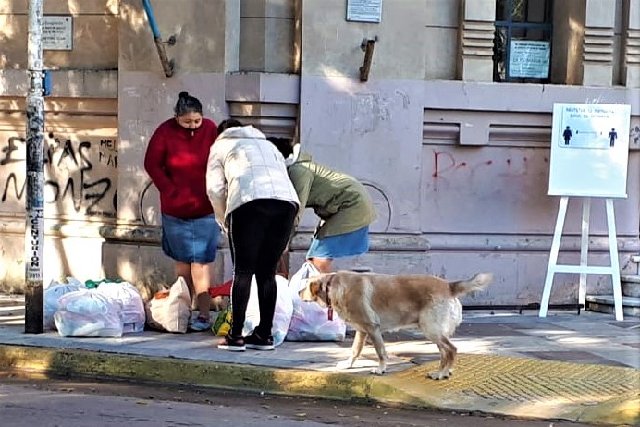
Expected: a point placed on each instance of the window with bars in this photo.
(522, 44)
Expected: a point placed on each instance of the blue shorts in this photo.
(190, 240)
(341, 245)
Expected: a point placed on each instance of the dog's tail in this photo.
(477, 282)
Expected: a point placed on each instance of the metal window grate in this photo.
(522, 43)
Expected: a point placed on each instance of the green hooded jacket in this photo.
(341, 201)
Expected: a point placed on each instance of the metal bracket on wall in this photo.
(167, 65)
(367, 46)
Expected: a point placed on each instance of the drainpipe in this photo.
(167, 65)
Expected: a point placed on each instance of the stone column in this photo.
(267, 35)
(598, 42)
(476, 41)
(631, 65)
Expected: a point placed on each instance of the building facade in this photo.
(441, 107)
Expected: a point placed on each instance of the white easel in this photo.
(583, 269)
(589, 156)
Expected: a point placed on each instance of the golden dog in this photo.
(375, 303)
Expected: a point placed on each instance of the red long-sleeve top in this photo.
(176, 161)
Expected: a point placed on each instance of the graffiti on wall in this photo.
(80, 175)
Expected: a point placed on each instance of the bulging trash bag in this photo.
(131, 304)
(85, 313)
(309, 320)
(170, 309)
(282, 316)
(52, 293)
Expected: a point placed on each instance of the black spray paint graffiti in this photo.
(86, 193)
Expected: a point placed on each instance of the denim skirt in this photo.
(341, 245)
(190, 240)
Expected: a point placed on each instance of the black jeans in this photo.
(258, 234)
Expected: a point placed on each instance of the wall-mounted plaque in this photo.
(364, 10)
(528, 58)
(57, 32)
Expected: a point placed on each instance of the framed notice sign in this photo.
(589, 150)
(364, 10)
(57, 32)
(529, 59)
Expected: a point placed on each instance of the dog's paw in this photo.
(440, 375)
(345, 364)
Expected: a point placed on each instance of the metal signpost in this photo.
(34, 231)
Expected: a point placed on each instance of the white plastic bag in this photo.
(309, 320)
(281, 317)
(52, 294)
(86, 313)
(170, 310)
(131, 305)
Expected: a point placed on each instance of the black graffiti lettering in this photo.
(98, 196)
(10, 148)
(70, 187)
(82, 149)
(66, 152)
(108, 144)
(13, 178)
(56, 190)
(108, 159)
(73, 159)
(48, 158)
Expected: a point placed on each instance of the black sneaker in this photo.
(231, 344)
(256, 342)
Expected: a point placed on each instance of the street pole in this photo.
(34, 231)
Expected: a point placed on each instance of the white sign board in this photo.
(57, 33)
(529, 59)
(589, 150)
(364, 10)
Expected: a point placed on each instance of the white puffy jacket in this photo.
(244, 166)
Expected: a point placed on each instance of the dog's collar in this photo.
(329, 306)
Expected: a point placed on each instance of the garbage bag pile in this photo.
(93, 309)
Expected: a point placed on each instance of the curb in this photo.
(83, 363)
(486, 384)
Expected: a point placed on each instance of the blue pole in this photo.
(152, 20)
(167, 65)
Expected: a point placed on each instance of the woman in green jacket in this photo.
(341, 201)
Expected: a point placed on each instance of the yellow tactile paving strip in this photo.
(528, 388)
(529, 380)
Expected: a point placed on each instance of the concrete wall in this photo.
(458, 170)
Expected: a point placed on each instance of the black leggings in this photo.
(258, 234)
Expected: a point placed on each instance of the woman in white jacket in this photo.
(255, 202)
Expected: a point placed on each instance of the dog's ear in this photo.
(315, 285)
(310, 291)
(327, 280)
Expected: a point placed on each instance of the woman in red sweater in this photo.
(176, 161)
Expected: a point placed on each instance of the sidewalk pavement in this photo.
(578, 367)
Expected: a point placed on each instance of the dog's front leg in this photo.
(356, 349)
(378, 344)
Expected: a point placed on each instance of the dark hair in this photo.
(283, 145)
(229, 123)
(187, 104)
